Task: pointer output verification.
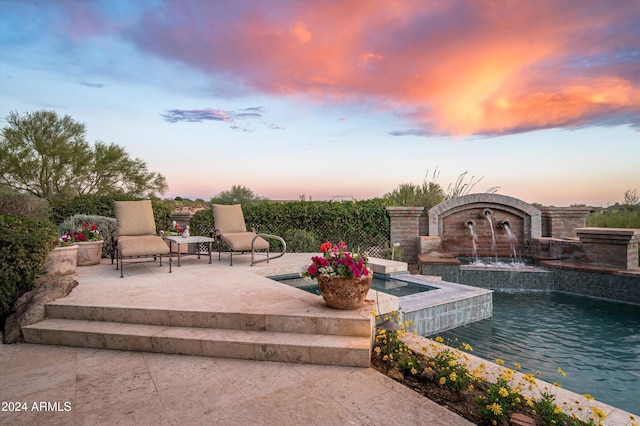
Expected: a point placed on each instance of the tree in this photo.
(238, 194)
(48, 156)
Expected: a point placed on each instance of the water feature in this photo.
(596, 342)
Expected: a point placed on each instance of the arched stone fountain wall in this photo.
(449, 221)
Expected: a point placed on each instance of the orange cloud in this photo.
(454, 67)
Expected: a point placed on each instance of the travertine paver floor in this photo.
(96, 386)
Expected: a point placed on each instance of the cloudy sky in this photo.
(343, 99)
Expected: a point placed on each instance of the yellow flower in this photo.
(414, 371)
(467, 347)
(494, 423)
(557, 410)
(499, 361)
(562, 373)
(439, 339)
(556, 384)
(518, 366)
(495, 408)
(553, 422)
(600, 415)
(518, 400)
(587, 396)
(452, 363)
(453, 376)
(377, 350)
(529, 401)
(443, 380)
(503, 392)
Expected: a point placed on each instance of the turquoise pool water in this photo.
(385, 284)
(596, 342)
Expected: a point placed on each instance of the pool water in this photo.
(385, 284)
(596, 342)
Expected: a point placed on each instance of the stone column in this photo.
(405, 229)
(561, 222)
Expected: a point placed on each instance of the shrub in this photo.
(301, 241)
(24, 245)
(16, 203)
(106, 226)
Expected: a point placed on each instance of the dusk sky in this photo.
(343, 99)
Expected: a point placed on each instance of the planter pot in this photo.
(62, 260)
(89, 252)
(344, 293)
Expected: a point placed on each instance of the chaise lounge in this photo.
(230, 229)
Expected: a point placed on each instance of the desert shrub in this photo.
(24, 245)
(17, 203)
(624, 216)
(106, 226)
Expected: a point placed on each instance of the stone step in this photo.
(215, 342)
(347, 323)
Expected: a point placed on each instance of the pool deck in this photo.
(62, 385)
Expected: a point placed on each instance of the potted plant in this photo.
(62, 260)
(344, 277)
(89, 243)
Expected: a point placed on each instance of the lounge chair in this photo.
(135, 235)
(231, 230)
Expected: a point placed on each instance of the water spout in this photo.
(474, 237)
(488, 213)
(510, 237)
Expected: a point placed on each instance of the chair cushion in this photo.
(228, 219)
(241, 241)
(143, 245)
(134, 218)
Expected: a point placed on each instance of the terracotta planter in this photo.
(62, 260)
(344, 293)
(89, 252)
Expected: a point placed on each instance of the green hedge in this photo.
(360, 224)
(24, 245)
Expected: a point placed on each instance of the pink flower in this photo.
(312, 270)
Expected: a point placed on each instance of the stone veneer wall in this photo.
(614, 247)
(447, 221)
(561, 222)
(405, 229)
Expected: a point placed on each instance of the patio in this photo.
(153, 385)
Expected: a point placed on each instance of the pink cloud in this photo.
(454, 67)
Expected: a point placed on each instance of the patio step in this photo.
(346, 324)
(216, 342)
(340, 338)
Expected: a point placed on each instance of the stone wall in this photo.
(405, 229)
(615, 247)
(561, 222)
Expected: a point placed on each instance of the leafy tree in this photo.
(48, 156)
(631, 197)
(238, 194)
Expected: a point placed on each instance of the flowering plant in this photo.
(88, 232)
(175, 230)
(337, 261)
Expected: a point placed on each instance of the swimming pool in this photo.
(384, 283)
(596, 342)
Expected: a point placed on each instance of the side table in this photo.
(188, 240)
